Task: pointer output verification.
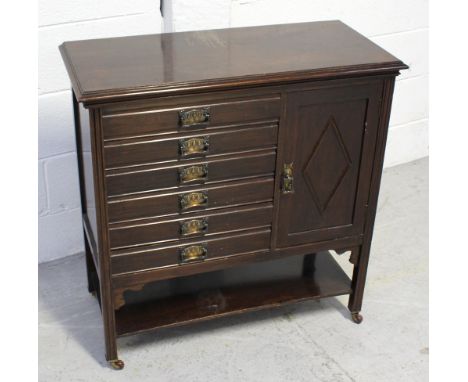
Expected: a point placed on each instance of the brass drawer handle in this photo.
(287, 182)
(194, 146)
(193, 199)
(193, 253)
(194, 227)
(193, 173)
(194, 117)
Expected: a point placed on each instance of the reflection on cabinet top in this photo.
(131, 67)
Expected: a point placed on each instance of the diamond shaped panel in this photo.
(327, 165)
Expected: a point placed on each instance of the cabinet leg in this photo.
(361, 261)
(90, 268)
(308, 265)
(111, 338)
(108, 320)
(358, 282)
(111, 343)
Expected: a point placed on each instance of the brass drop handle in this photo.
(194, 146)
(287, 183)
(193, 173)
(194, 117)
(193, 199)
(194, 227)
(193, 253)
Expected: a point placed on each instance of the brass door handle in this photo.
(193, 199)
(194, 117)
(193, 173)
(193, 253)
(194, 146)
(194, 227)
(287, 181)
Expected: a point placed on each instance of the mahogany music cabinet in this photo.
(217, 168)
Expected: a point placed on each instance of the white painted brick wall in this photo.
(400, 26)
(60, 232)
(54, 12)
(61, 172)
(42, 192)
(369, 17)
(52, 74)
(184, 15)
(56, 134)
(410, 102)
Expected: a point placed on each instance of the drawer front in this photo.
(196, 251)
(150, 121)
(206, 172)
(232, 194)
(179, 147)
(200, 225)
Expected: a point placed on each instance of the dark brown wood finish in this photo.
(262, 146)
(135, 260)
(213, 171)
(136, 281)
(237, 290)
(118, 68)
(331, 139)
(153, 120)
(217, 222)
(363, 252)
(85, 167)
(94, 218)
(134, 152)
(234, 193)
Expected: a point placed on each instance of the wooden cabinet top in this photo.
(130, 67)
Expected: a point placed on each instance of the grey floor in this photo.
(312, 341)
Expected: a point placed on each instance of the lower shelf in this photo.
(257, 286)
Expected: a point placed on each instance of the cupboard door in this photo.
(326, 163)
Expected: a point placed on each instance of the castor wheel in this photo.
(93, 293)
(356, 317)
(117, 364)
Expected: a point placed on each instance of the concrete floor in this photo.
(311, 341)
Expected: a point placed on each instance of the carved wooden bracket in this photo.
(353, 255)
(342, 251)
(119, 299)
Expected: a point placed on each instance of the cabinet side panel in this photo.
(360, 268)
(87, 179)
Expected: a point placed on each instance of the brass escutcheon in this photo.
(195, 145)
(194, 227)
(193, 173)
(193, 199)
(288, 179)
(194, 117)
(193, 253)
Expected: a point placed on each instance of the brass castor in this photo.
(117, 364)
(93, 293)
(356, 317)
